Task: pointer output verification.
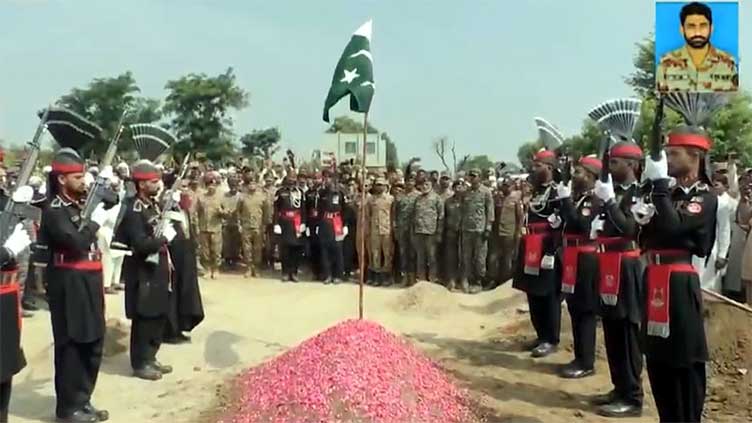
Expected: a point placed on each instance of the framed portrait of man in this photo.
(697, 46)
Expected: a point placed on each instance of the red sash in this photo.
(9, 286)
(91, 261)
(292, 215)
(533, 244)
(336, 220)
(609, 265)
(659, 277)
(571, 255)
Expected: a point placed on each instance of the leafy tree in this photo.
(481, 162)
(104, 100)
(348, 125)
(392, 160)
(199, 107)
(642, 80)
(526, 152)
(262, 143)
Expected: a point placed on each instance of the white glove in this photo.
(88, 179)
(99, 215)
(277, 229)
(106, 172)
(655, 170)
(642, 212)
(43, 189)
(169, 232)
(345, 231)
(605, 190)
(317, 231)
(308, 231)
(596, 226)
(563, 191)
(302, 227)
(17, 241)
(554, 220)
(176, 196)
(23, 194)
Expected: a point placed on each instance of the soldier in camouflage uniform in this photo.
(450, 251)
(444, 189)
(403, 209)
(477, 218)
(270, 190)
(697, 65)
(231, 241)
(254, 216)
(379, 221)
(210, 214)
(428, 224)
(506, 231)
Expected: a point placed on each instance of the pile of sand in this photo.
(355, 371)
(729, 333)
(425, 298)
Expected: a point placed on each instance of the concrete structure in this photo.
(350, 146)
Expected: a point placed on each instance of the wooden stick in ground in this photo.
(727, 300)
(362, 220)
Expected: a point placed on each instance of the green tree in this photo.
(526, 152)
(348, 125)
(199, 107)
(642, 80)
(481, 162)
(104, 100)
(261, 143)
(392, 160)
(586, 142)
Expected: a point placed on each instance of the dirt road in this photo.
(475, 337)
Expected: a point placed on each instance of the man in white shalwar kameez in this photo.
(713, 268)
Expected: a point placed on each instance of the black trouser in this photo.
(679, 392)
(290, 255)
(624, 359)
(348, 253)
(76, 370)
(315, 258)
(5, 388)
(146, 338)
(545, 314)
(583, 334)
(331, 259)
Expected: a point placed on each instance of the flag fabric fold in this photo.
(353, 74)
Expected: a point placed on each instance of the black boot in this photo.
(102, 415)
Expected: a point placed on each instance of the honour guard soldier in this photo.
(75, 289)
(331, 229)
(313, 243)
(538, 270)
(680, 222)
(289, 225)
(148, 271)
(580, 264)
(620, 282)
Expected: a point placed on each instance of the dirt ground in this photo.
(477, 338)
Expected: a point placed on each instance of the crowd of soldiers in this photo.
(460, 232)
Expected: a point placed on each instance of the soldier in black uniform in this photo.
(538, 271)
(350, 219)
(331, 229)
(579, 266)
(620, 283)
(682, 225)
(148, 271)
(289, 225)
(313, 244)
(75, 290)
(12, 358)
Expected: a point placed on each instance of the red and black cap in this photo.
(145, 170)
(546, 156)
(626, 150)
(592, 164)
(66, 161)
(689, 136)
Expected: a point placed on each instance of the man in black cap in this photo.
(148, 273)
(331, 228)
(75, 289)
(538, 270)
(289, 225)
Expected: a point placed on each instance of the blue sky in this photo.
(476, 71)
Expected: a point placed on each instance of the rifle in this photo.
(603, 154)
(100, 191)
(565, 165)
(656, 140)
(168, 203)
(13, 213)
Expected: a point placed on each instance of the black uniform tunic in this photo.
(331, 205)
(186, 309)
(289, 214)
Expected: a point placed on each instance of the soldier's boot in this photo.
(411, 279)
(386, 279)
(378, 279)
(465, 286)
(293, 277)
(450, 284)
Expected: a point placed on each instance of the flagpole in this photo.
(362, 220)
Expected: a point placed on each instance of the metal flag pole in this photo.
(362, 221)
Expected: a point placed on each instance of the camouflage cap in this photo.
(474, 172)
(380, 181)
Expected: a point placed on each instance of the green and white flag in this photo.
(354, 74)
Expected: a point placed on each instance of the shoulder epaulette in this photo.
(138, 205)
(56, 203)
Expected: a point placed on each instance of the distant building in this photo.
(350, 146)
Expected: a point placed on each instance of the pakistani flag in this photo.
(354, 74)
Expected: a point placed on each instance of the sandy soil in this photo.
(476, 337)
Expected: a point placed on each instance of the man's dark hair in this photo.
(696, 8)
